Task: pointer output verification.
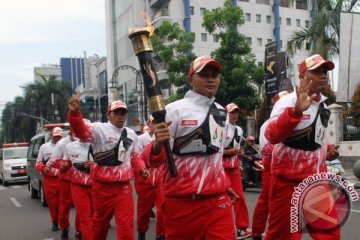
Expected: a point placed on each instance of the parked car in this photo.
(13, 162)
(35, 184)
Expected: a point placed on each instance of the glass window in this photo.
(192, 10)
(267, 2)
(248, 17)
(259, 42)
(301, 4)
(204, 37)
(202, 10)
(307, 23)
(268, 19)
(269, 40)
(258, 18)
(284, 3)
(215, 38)
(249, 40)
(279, 20)
(288, 21)
(298, 24)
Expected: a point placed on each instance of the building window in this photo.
(259, 42)
(279, 20)
(288, 21)
(258, 18)
(268, 19)
(267, 2)
(307, 23)
(301, 4)
(215, 38)
(260, 64)
(249, 41)
(284, 3)
(248, 17)
(298, 24)
(244, 0)
(191, 10)
(203, 37)
(269, 40)
(202, 11)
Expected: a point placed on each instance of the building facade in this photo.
(259, 28)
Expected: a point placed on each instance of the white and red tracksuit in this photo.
(149, 191)
(196, 202)
(261, 210)
(289, 166)
(65, 199)
(232, 169)
(111, 189)
(77, 152)
(50, 179)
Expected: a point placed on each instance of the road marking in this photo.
(48, 239)
(16, 187)
(2, 188)
(358, 211)
(15, 202)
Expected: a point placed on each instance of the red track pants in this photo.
(148, 197)
(261, 211)
(51, 190)
(240, 208)
(209, 218)
(279, 214)
(111, 199)
(66, 201)
(83, 205)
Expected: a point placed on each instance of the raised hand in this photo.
(303, 101)
(74, 103)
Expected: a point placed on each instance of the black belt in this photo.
(81, 167)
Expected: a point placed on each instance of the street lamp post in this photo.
(42, 120)
(98, 87)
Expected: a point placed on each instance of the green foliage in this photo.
(323, 35)
(173, 46)
(240, 75)
(20, 118)
(355, 106)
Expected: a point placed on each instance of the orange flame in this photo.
(148, 27)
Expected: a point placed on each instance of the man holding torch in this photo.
(197, 205)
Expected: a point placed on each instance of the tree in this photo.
(175, 52)
(323, 35)
(355, 106)
(240, 75)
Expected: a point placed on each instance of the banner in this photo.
(271, 82)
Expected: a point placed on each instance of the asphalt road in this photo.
(23, 218)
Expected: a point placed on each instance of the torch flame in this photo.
(149, 28)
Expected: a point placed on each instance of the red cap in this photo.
(199, 63)
(117, 104)
(57, 131)
(231, 107)
(314, 62)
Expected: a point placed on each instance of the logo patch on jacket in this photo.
(189, 122)
(112, 139)
(305, 117)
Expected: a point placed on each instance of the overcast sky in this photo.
(36, 32)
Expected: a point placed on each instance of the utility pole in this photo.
(98, 87)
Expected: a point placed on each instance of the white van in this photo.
(13, 162)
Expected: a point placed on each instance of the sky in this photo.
(39, 32)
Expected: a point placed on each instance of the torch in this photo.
(143, 50)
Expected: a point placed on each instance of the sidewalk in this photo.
(349, 175)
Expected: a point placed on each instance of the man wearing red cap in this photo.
(111, 172)
(65, 199)
(149, 189)
(297, 127)
(50, 176)
(231, 163)
(197, 205)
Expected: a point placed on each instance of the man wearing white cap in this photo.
(114, 155)
(50, 175)
(297, 127)
(148, 185)
(197, 205)
(231, 163)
